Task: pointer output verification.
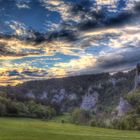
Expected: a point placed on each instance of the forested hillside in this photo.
(103, 98)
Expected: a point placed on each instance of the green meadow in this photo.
(33, 129)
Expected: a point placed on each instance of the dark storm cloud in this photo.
(81, 8)
(5, 52)
(63, 34)
(137, 7)
(9, 41)
(93, 19)
(130, 57)
(88, 18)
(68, 35)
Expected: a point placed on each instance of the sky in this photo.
(41, 39)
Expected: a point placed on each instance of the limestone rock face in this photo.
(72, 96)
(113, 81)
(123, 107)
(59, 97)
(44, 96)
(90, 100)
(137, 77)
(30, 95)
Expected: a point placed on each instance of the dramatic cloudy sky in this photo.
(54, 38)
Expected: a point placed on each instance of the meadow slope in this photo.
(32, 129)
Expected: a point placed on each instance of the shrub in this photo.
(93, 122)
(80, 116)
(2, 109)
(62, 121)
(128, 122)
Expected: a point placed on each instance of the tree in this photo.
(22, 109)
(41, 111)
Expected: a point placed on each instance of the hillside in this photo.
(78, 91)
(103, 97)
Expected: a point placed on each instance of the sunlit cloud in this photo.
(60, 6)
(129, 37)
(20, 29)
(16, 47)
(74, 66)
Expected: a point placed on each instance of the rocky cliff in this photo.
(137, 77)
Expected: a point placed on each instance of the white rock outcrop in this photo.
(72, 96)
(44, 95)
(30, 95)
(113, 81)
(123, 107)
(90, 100)
(137, 77)
(59, 97)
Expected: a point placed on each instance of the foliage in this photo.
(130, 121)
(2, 109)
(9, 107)
(134, 100)
(80, 116)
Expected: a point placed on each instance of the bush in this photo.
(80, 116)
(93, 122)
(128, 122)
(2, 109)
(62, 121)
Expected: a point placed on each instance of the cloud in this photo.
(73, 67)
(109, 62)
(83, 16)
(12, 46)
(128, 36)
(20, 29)
(119, 42)
(87, 39)
(63, 35)
(23, 4)
(121, 60)
(16, 76)
(122, 52)
(59, 6)
(99, 19)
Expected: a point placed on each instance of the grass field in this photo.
(31, 129)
